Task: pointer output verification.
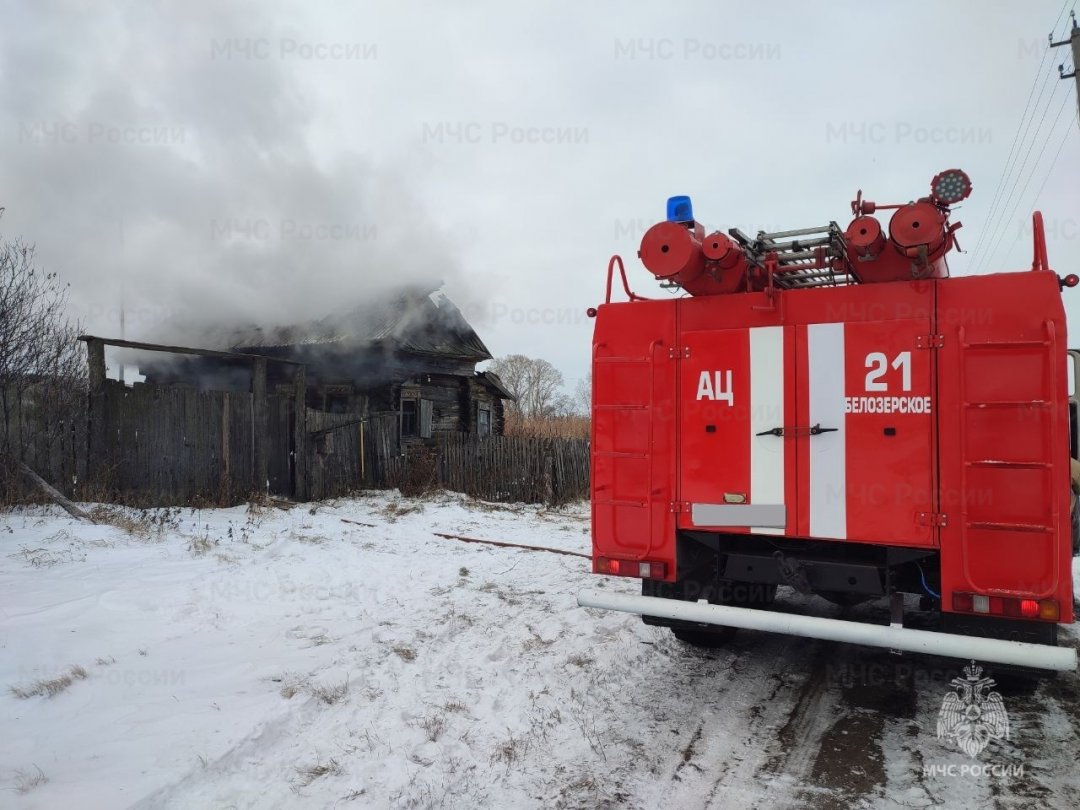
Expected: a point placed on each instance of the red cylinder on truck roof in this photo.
(672, 251)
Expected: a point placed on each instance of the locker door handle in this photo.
(797, 431)
(777, 431)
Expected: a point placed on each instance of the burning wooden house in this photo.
(411, 354)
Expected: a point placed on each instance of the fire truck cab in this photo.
(828, 410)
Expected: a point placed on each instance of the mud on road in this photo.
(772, 721)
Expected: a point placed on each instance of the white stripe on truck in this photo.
(828, 456)
(766, 413)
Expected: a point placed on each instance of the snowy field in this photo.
(347, 656)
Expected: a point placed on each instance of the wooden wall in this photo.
(171, 445)
(50, 440)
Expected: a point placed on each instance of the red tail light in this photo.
(1046, 610)
(642, 569)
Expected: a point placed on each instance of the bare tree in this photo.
(512, 371)
(583, 395)
(543, 397)
(42, 370)
(534, 382)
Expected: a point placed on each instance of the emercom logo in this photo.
(971, 716)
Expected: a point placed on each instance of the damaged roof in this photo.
(416, 320)
(495, 383)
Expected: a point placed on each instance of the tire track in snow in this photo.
(796, 746)
(787, 729)
(730, 720)
(208, 785)
(849, 768)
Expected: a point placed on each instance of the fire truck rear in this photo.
(826, 409)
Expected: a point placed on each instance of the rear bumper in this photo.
(1015, 653)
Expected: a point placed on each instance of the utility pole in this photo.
(1074, 41)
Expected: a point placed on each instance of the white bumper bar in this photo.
(1018, 653)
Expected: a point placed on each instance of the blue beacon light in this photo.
(680, 209)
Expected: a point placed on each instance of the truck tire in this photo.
(741, 594)
(709, 639)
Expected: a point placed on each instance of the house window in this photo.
(415, 414)
(410, 423)
(483, 421)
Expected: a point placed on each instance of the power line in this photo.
(995, 221)
(1016, 137)
(998, 234)
(1068, 131)
(1001, 229)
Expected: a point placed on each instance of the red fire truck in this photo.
(826, 409)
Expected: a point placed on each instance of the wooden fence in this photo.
(514, 468)
(50, 440)
(173, 444)
(336, 444)
(350, 452)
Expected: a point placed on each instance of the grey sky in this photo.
(210, 162)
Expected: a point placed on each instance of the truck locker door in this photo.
(866, 453)
(1005, 438)
(732, 389)
(633, 432)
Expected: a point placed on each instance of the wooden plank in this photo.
(191, 483)
(260, 424)
(54, 494)
(95, 352)
(97, 417)
(226, 449)
(158, 347)
(300, 435)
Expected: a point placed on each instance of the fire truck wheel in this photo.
(705, 638)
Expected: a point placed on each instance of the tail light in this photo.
(642, 569)
(1046, 610)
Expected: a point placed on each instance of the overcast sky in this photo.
(223, 162)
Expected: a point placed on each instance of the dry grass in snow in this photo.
(50, 687)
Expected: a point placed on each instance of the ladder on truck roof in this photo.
(808, 257)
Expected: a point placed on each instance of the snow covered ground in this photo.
(346, 656)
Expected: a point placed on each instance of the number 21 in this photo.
(878, 364)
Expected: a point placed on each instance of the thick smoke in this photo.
(165, 175)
